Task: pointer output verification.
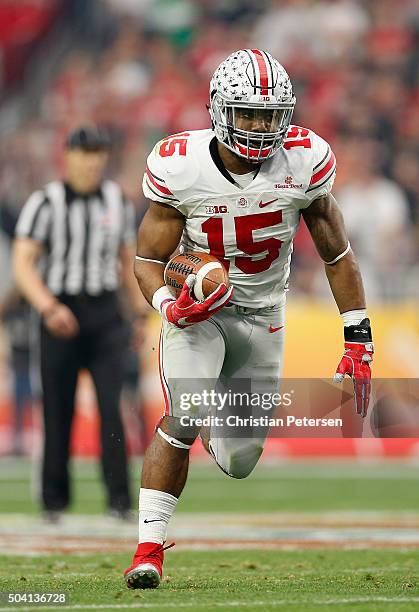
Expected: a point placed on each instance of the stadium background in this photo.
(320, 524)
(141, 68)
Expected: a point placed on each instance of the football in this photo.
(209, 271)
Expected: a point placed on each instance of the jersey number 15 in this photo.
(244, 239)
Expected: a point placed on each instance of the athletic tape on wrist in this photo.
(354, 317)
(161, 295)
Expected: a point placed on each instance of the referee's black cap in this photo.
(89, 138)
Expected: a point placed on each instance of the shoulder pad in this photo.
(177, 161)
(180, 172)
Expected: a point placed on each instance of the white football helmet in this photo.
(251, 89)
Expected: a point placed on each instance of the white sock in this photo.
(156, 509)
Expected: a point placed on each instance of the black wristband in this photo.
(358, 333)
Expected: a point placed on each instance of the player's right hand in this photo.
(60, 321)
(186, 311)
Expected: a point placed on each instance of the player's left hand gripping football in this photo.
(186, 311)
(356, 361)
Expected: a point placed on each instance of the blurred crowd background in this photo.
(142, 67)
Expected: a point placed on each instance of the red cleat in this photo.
(146, 570)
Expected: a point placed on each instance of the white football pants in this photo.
(239, 348)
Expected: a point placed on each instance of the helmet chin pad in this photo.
(253, 155)
(255, 146)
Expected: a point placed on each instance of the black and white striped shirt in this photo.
(81, 235)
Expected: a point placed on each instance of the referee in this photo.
(83, 230)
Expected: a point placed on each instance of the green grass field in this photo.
(260, 580)
(312, 579)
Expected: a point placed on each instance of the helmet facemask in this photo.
(268, 123)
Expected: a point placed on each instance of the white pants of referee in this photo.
(239, 349)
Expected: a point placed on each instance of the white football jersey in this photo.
(250, 229)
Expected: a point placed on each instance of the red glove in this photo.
(186, 311)
(356, 361)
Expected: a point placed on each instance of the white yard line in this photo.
(225, 604)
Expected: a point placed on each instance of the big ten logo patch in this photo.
(217, 209)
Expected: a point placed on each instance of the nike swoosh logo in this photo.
(272, 330)
(152, 520)
(263, 204)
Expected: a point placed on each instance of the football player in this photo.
(236, 191)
